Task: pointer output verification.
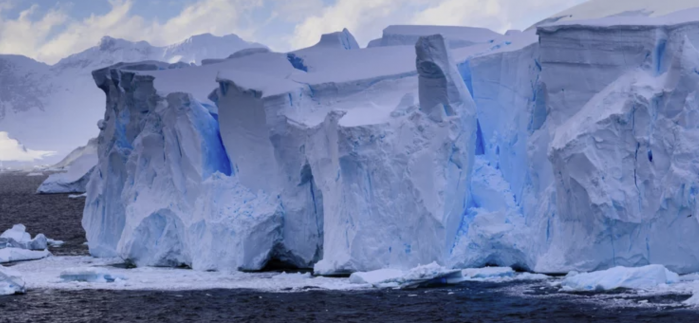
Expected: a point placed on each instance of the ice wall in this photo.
(592, 133)
(625, 161)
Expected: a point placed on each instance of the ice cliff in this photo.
(569, 147)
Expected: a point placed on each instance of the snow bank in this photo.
(644, 277)
(10, 282)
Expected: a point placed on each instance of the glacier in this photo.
(569, 146)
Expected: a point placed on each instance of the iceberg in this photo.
(571, 146)
(644, 277)
(79, 164)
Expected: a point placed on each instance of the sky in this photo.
(48, 30)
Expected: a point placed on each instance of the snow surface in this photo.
(645, 277)
(572, 147)
(89, 274)
(402, 35)
(594, 9)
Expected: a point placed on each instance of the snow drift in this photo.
(346, 159)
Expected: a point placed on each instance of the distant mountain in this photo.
(56, 107)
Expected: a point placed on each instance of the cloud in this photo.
(12, 150)
(366, 18)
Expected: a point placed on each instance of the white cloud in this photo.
(12, 150)
(282, 24)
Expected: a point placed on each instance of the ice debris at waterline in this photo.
(421, 275)
(10, 282)
(434, 274)
(353, 160)
(645, 277)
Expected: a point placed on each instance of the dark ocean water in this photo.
(58, 217)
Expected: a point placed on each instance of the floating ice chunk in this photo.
(77, 196)
(18, 232)
(422, 275)
(19, 254)
(17, 237)
(55, 243)
(89, 274)
(645, 277)
(693, 300)
(376, 276)
(10, 282)
(292, 276)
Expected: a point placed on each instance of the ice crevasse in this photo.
(347, 159)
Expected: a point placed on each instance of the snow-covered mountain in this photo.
(56, 108)
(572, 146)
